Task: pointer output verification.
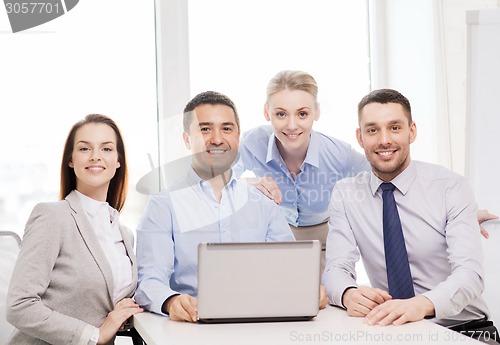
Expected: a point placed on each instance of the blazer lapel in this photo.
(128, 240)
(91, 241)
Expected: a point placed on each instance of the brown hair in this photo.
(384, 96)
(117, 191)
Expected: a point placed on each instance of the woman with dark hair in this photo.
(76, 270)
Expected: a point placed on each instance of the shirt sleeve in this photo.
(278, 229)
(95, 337)
(466, 281)
(155, 255)
(341, 251)
(246, 157)
(359, 163)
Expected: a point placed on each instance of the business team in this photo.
(424, 213)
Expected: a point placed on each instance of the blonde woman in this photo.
(295, 165)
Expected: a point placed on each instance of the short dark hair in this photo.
(117, 190)
(207, 97)
(386, 96)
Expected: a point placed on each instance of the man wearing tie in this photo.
(414, 225)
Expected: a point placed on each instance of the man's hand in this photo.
(323, 299)
(399, 311)
(182, 308)
(116, 318)
(483, 216)
(267, 186)
(361, 300)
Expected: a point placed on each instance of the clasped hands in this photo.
(378, 307)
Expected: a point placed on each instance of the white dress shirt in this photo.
(439, 221)
(104, 221)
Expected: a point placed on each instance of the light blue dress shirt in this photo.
(305, 198)
(439, 220)
(177, 220)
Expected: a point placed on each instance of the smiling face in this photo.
(385, 134)
(213, 139)
(94, 159)
(292, 113)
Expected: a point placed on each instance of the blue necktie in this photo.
(396, 257)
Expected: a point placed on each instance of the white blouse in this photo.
(104, 221)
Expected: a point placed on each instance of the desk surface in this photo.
(331, 326)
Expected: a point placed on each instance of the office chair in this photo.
(10, 243)
(491, 256)
(130, 331)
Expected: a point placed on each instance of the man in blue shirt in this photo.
(208, 205)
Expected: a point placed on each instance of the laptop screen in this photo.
(270, 281)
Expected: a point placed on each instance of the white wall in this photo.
(419, 48)
(483, 106)
(452, 30)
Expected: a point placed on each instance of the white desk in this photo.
(331, 326)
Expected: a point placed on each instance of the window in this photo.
(237, 47)
(98, 58)
(55, 74)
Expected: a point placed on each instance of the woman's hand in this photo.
(116, 318)
(483, 216)
(267, 186)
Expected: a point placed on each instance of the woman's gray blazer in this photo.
(62, 282)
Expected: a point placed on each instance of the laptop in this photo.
(258, 282)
